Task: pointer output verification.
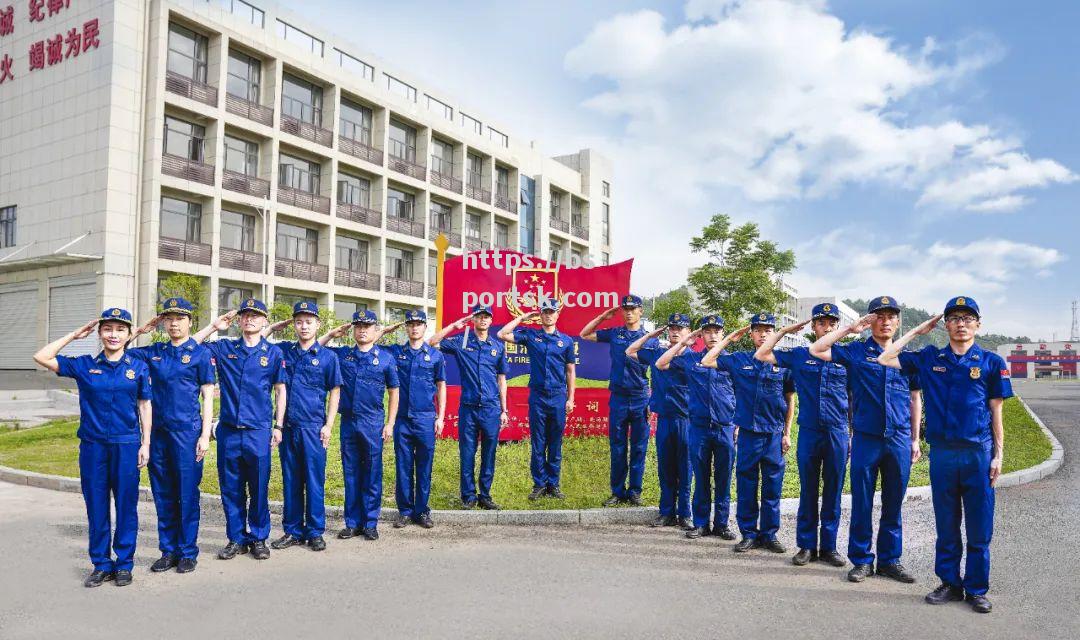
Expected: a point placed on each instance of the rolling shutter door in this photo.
(70, 307)
(19, 314)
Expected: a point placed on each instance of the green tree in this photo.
(658, 309)
(283, 311)
(189, 287)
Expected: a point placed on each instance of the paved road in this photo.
(545, 582)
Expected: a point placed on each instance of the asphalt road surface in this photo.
(500, 581)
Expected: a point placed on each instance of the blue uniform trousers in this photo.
(174, 480)
(244, 477)
(414, 452)
(303, 482)
(362, 468)
(822, 458)
(673, 464)
(110, 470)
(477, 422)
(712, 453)
(759, 454)
(628, 438)
(960, 482)
(547, 420)
(890, 458)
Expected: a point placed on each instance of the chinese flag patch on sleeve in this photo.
(1005, 373)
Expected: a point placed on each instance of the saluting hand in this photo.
(740, 332)
(929, 325)
(340, 330)
(532, 315)
(201, 447)
(862, 324)
(86, 329)
(610, 313)
(693, 335)
(278, 326)
(149, 326)
(223, 322)
(460, 323)
(792, 328)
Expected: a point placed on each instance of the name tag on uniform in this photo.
(94, 371)
(156, 358)
(812, 362)
(940, 369)
(231, 356)
(748, 367)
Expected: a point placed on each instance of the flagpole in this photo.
(441, 243)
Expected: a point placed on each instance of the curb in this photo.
(600, 516)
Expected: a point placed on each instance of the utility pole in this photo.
(1074, 333)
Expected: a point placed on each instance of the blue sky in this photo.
(917, 149)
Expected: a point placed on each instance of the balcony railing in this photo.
(360, 214)
(303, 199)
(404, 287)
(560, 224)
(190, 88)
(184, 251)
(240, 259)
(405, 225)
(432, 289)
(505, 203)
(478, 193)
(580, 231)
(307, 131)
(446, 182)
(248, 109)
(357, 279)
(409, 168)
(310, 271)
(475, 244)
(243, 183)
(187, 169)
(360, 150)
(453, 237)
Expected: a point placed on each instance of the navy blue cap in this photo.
(416, 315)
(962, 303)
(177, 305)
(305, 307)
(251, 304)
(549, 304)
(825, 310)
(482, 308)
(883, 302)
(367, 316)
(711, 321)
(630, 300)
(678, 320)
(766, 319)
(118, 314)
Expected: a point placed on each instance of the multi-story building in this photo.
(233, 141)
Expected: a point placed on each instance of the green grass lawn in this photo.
(53, 449)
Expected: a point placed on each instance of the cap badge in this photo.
(961, 301)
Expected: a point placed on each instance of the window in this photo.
(442, 157)
(441, 217)
(229, 298)
(394, 315)
(245, 74)
(245, 11)
(184, 139)
(241, 156)
(605, 189)
(605, 258)
(502, 182)
(301, 100)
(181, 220)
(344, 309)
(355, 122)
(502, 234)
(432, 270)
(187, 53)
(237, 231)
(400, 88)
(440, 108)
(359, 67)
(300, 38)
(472, 226)
(499, 138)
(290, 299)
(476, 171)
(606, 230)
(472, 124)
(8, 219)
(577, 218)
(399, 203)
(297, 243)
(352, 254)
(556, 205)
(399, 263)
(402, 141)
(354, 190)
(297, 173)
(556, 250)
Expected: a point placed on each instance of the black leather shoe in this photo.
(685, 524)
(186, 565)
(286, 541)
(468, 504)
(634, 499)
(772, 545)
(613, 501)
(945, 593)
(537, 493)
(896, 571)
(164, 563)
(745, 545)
(832, 558)
(97, 577)
(724, 532)
(123, 577)
(348, 532)
(860, 572)
(697, 532)
(663, 521)
(979, 604)
(370, 533)
(318, 543)
(804, 557)
(401, 522)
(259, 550)
(554, 492)
(232, 550)
(487, 504)
(425, 521)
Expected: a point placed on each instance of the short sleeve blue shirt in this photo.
(549, 353)
(246, 376)
(627, 375)
(180, 371)
(418, 371)
(311, 375)
(711, 394)
(480, 363)
(365, 376)
(108, 396)
(881, 395)
(822, 388)
(760, 404)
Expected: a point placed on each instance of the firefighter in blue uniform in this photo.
(422, 373)
(822, 449)
(965, 387)
(481, 359)
(885, 437)
(669, 402)
(313, 377)
(711, 401)
(552, 367)
(628, 425)
(764, 412)
(248, 369)
(367, 372)
(115, 421)
(184, 374)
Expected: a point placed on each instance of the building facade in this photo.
(1041, 359)
(232, 141)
